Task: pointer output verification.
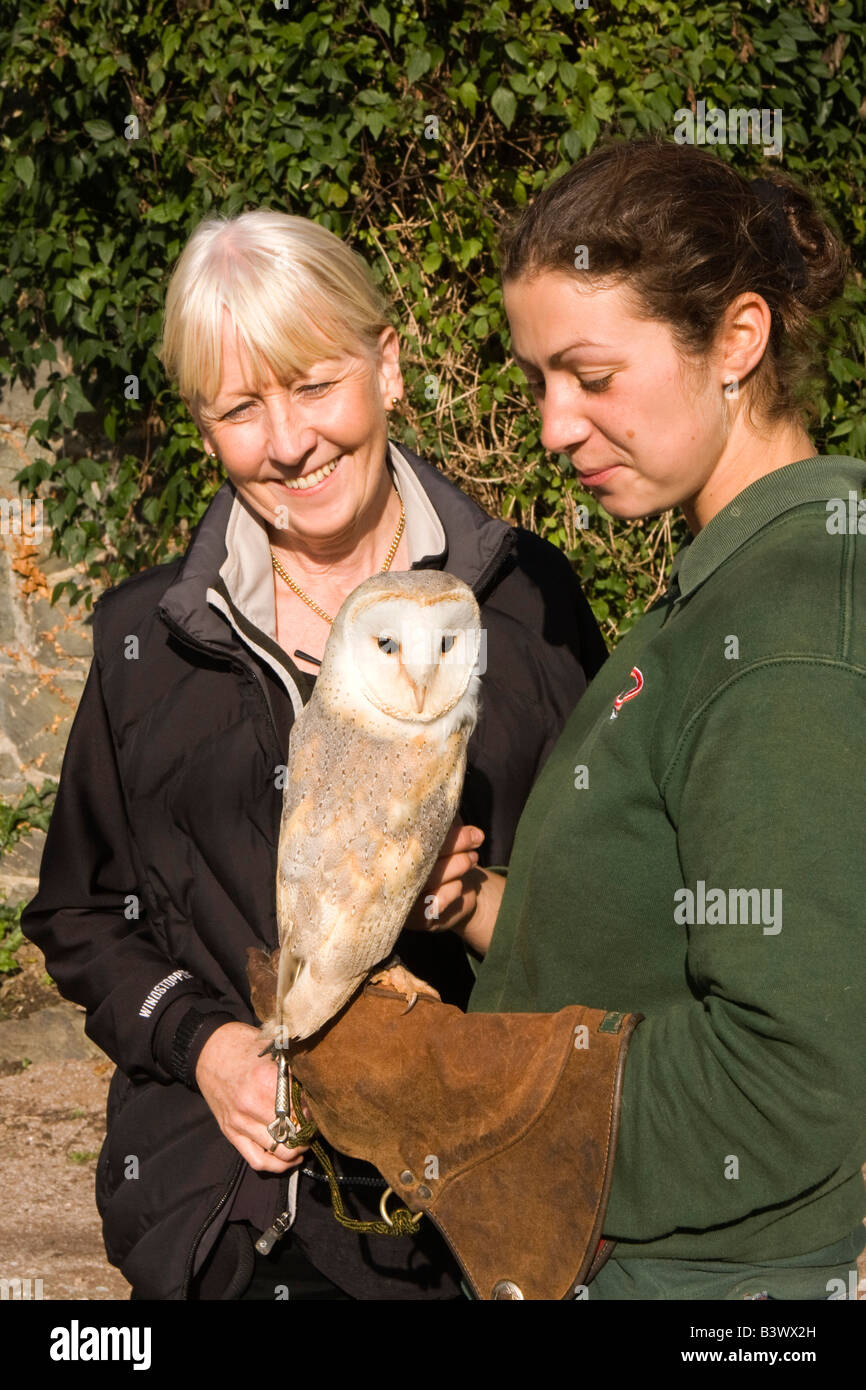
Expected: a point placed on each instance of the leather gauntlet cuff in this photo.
(500, 1127)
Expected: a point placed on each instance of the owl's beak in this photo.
(419, 680)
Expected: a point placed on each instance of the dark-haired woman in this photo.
(713, 776)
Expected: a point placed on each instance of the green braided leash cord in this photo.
(403, 1223)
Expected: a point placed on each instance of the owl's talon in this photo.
(402, 981)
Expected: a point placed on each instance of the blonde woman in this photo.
(160, 864)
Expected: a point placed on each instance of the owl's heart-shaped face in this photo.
(415, 657)
(406, 648)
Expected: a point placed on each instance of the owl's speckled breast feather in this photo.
(364, 815)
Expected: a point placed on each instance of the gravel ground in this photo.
(52, 1123)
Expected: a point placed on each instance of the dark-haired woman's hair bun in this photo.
(772, 197)
(688, 234)
(807, 245)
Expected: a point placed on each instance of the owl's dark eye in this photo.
(390, 645)
(448, 642)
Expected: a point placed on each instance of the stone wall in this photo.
(44, 651)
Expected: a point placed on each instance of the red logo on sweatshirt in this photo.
(637, 676)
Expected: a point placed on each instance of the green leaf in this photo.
(504, 103)
(468, 94)
(106, 68)
(842, 429)
(99, 130)
(419, 63)
(25, 169)
(380, 16)
(171, 42)
(516, 50)
(572, 144)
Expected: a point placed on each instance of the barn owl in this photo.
(376, 765)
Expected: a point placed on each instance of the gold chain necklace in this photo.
(296, 588)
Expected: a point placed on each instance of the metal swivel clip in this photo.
(281, 1129)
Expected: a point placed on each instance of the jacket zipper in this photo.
(211, 1217)
(282, 1222)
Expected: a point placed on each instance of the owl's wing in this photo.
(354, 853)
(342, 902)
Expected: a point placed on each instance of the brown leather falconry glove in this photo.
(499, 1127)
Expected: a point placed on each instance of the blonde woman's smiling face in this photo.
(643, 432)
(308, 456)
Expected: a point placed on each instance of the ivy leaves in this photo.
(413, 131)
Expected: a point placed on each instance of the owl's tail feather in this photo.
(291, 968)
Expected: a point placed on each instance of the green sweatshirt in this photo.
(694, 850)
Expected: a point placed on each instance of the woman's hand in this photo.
(458, 896)
(448, 898)
(240, 1088)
